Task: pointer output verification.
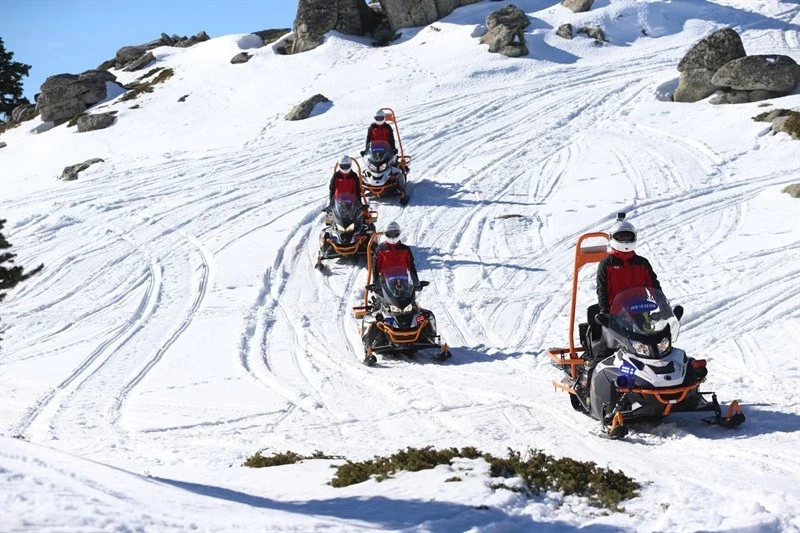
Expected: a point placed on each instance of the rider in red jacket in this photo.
(622, 269)
(380, 131)
(392, 252)
(345, 180)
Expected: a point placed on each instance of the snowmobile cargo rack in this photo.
(584, 255)
(402, 160)
(360, 310)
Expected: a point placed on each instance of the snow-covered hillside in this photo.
(179, 324)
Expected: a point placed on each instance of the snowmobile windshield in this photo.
(643, 311)
(379, 152)
(345, 210)
(397, 283)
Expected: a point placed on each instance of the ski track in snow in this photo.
(184, 323)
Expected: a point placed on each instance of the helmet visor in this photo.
(345, 167)
(624, 236)
(393, 233)
(379, 119)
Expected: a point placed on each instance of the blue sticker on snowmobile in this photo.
(627, 369)
(642, 307)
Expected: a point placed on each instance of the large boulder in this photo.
(577, 6)
(186, 42)
(138, 64)
(410, 13)
(241, 57)
(694, 85)
(126, 54)
(65, 95)
(506, 31)
(95, 122)
(316, 17)
(713, 51)
(304, 110)
(565, 31)
(270, 36)
(774, 73)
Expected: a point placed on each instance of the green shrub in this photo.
(286, 458)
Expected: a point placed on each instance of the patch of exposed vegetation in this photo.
(138, 87)
(769, 116)
(285, 458)
(792, 124)
(150, 72)
(792, 190)
(74, 120)
(537, 470)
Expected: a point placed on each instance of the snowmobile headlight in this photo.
(340, 227)
(382, 167)
(373, 167)
(641, 349)
(664, 346)
(399, 311)
(351, 227)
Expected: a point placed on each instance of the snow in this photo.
(179, 325)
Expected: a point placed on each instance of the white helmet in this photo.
(392, 233)
(345, 163)
(623, 235)
(380, 117)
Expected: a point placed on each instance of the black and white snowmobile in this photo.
(348, 228)
(630, 369)
(382, 175)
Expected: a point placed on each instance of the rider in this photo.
(622, 269)
(380, 131)
(345, 180)
(392, 252)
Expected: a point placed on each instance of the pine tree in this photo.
(10, 276)
(11, 73)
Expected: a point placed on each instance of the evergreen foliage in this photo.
(10, 276)
(11, 74)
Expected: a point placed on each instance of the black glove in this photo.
(601, 319)
(363, 152)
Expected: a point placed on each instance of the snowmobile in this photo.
(392, 323)
(385, 174)
(631, 370)
(349, 224)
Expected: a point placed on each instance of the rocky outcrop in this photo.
(127, 54)
(23, 112)
(702, 61)
(95, 122)
(578, 6)
(565, 31)
(71, 173)
(506, 31)
(138, 64)
(410, 13)
(304, 110)
(65, 95)
(270, 36)
(792, 190)
(775, 73)
(241, 57)
(719, 63)
(317, 17)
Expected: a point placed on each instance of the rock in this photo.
(506, 31)
(23, 112)
(242, 57)
(565, 31)
(410, 13)
(731, 97)
(714, 51)
(792, 190)
(775, 73)
(186, 42)
(788, 123)
(771, 115)
(317, 17)
(65, 95)
(71, 173)
(126, 54)
(757, 96)
(595, 32)
(577, 6)
(95, 122)
(694, 85)
(140, 63)
(303, 111)
(270, 36)
(183, 98)
(2, 144)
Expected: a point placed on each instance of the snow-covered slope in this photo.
(179, 325)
